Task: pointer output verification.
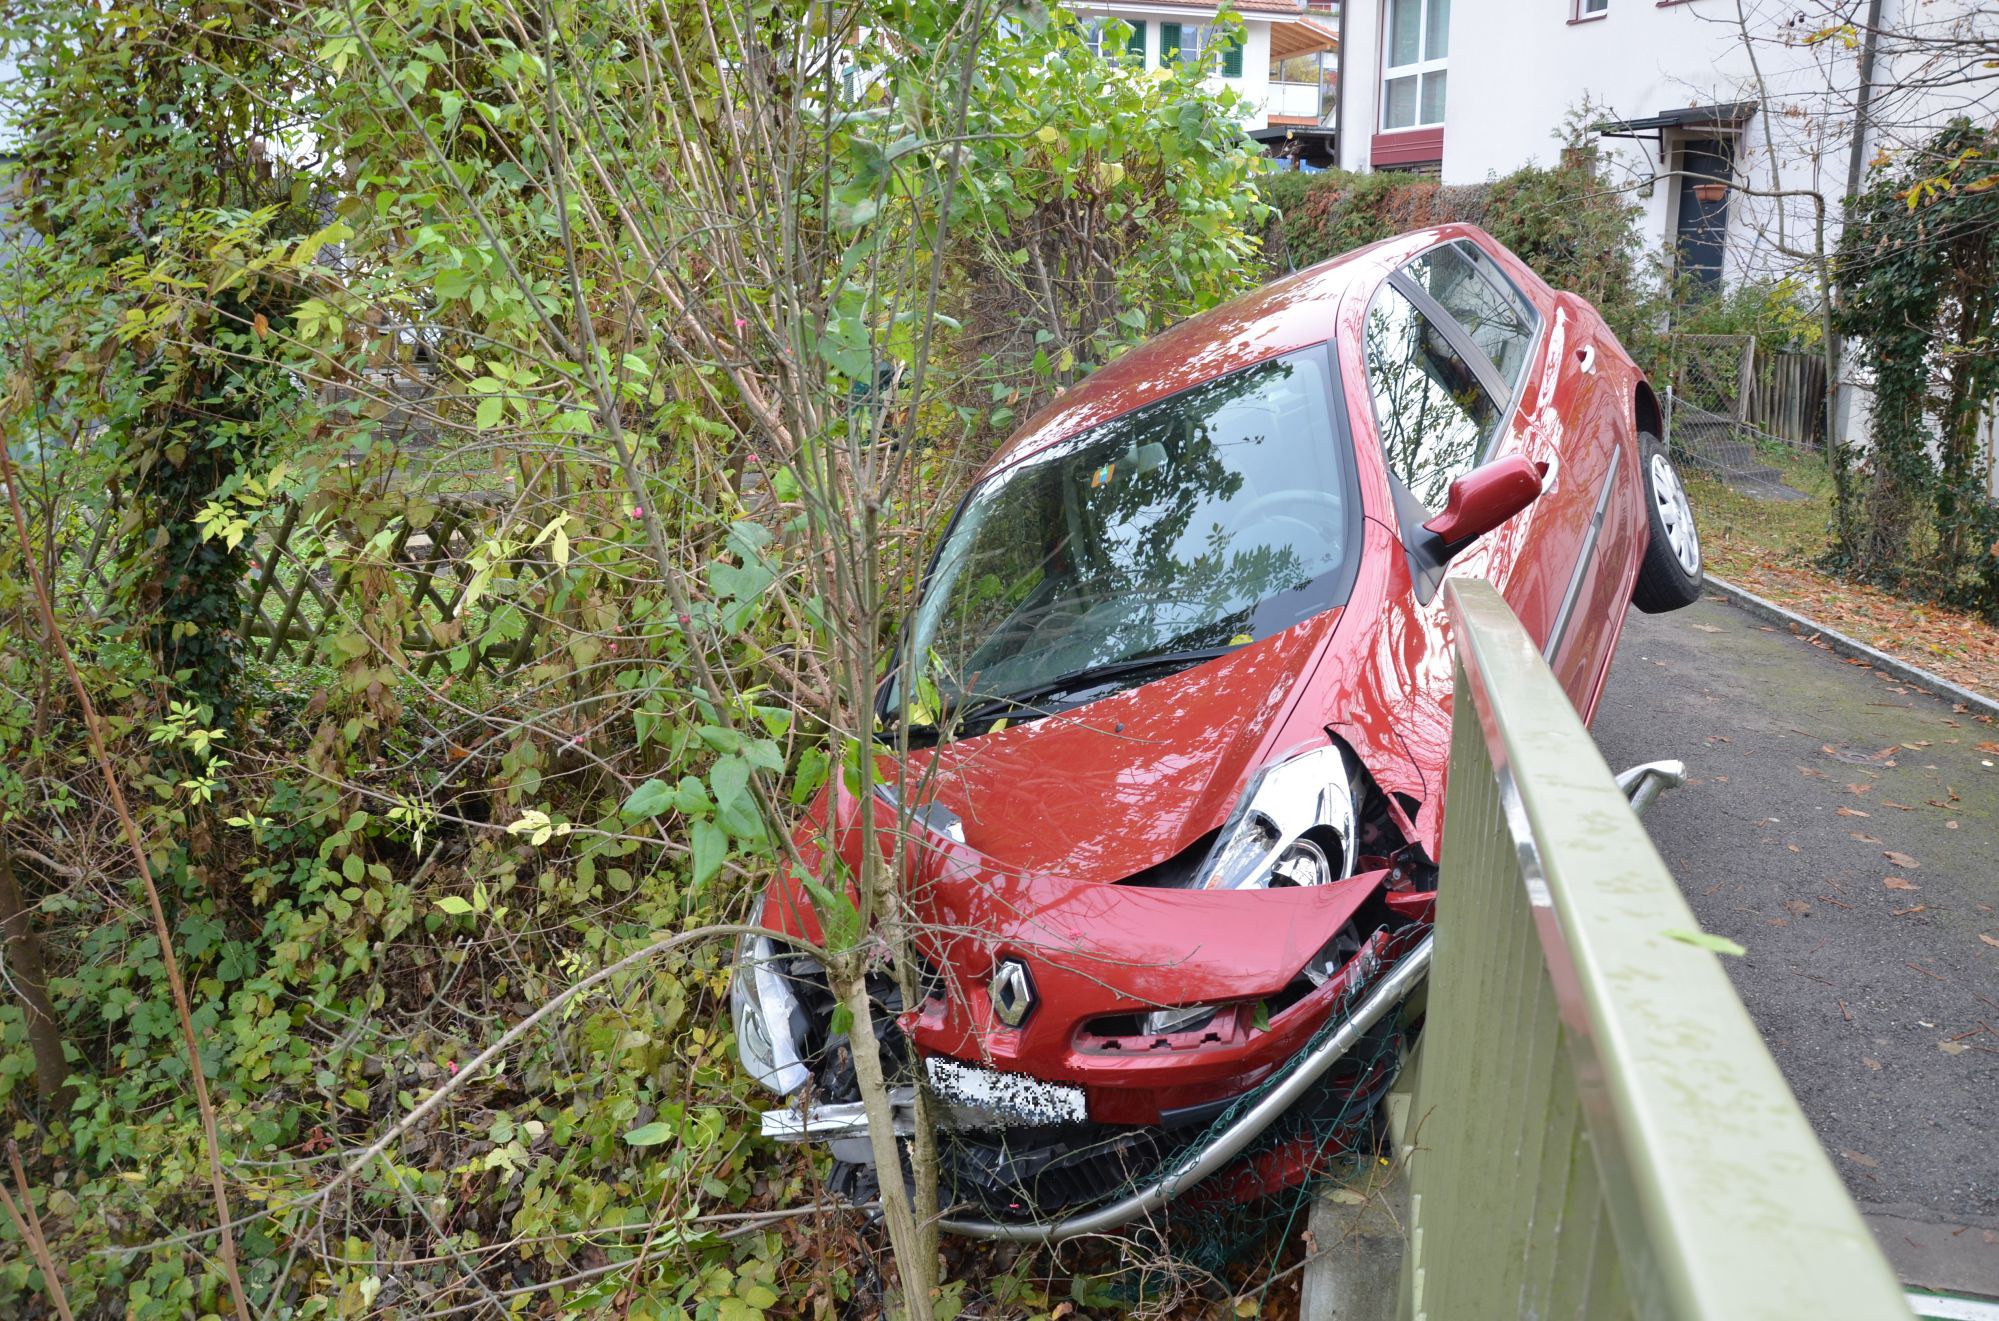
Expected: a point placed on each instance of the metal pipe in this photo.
(1394, 986)
(1643, 784)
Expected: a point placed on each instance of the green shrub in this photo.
(1576, 233)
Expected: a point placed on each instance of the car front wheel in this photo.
(1670, 575)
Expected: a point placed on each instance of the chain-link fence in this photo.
(1731, 402)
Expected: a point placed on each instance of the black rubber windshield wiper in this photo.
(996, 705)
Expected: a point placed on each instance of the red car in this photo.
(1178, 694)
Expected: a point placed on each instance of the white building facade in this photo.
(1760, 93)
(1284, 67)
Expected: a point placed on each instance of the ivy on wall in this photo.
(1918, 270)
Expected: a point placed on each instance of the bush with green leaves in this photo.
(1918, 269)
(679, 311)
(1576, 233)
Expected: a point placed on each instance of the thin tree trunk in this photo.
(906, 1235)
(28, 975)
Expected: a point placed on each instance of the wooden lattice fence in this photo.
(304, 583)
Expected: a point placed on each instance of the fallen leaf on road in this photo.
(1897, 883)
(1993, 941)
(1926, 972)
(1952, 1047)
(1776, 921)
(1901, 859)
(1863, 837)
(1849, 811)
(1797, 907)
(1899, 807)
(1871, 1063)
(1859, 1159)
(1988, 747)
(1904, 912)
(1917, 746)
(1703, 940)
(1347, 1197)
(1950, 825)
(1707, 628)
(1859, 788)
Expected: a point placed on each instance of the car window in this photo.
(1431, 410)
(1478, 297)
(1204, 520)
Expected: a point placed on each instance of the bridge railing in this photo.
(1596, 1128)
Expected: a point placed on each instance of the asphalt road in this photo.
(1877, 996)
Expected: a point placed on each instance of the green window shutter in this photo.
(1169, 43)
(1136, 45)
(1232, 59)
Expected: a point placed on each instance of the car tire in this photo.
(1670, 574)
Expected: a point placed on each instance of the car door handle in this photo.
(1586, 358)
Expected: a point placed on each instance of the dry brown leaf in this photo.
(1859, 788)
(1952, 1047)
(1707, 628)
(1859, 1159)
(1902, 860)
(1897, 883)
(1904, 912)
(1993, 941)
(1849, 811)
(1863, 837)
(1871, 1063)
(1797, 907)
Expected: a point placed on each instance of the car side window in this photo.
(1466, 284)
(1430, 406)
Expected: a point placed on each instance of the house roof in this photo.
(1301, 36)
(1728, 115)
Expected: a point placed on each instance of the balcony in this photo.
(1294, 102)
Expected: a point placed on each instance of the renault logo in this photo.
(1012, 992)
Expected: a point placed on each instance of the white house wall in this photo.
(1254, 84)
(1519, 67)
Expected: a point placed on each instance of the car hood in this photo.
(1109, 789)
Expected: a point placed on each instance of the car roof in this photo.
(1295, 312)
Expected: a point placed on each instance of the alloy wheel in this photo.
(1675, 514)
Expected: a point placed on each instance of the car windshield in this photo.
(1195, 524)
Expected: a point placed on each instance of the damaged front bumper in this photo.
(1220, 1145)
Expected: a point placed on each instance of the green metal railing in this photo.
(1596, 1130)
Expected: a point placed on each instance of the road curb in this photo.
(1839, 642)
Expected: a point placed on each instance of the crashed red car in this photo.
(1179, 692)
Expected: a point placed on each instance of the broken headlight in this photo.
(1184, 1018)
(769, 1020)
(1294, 826)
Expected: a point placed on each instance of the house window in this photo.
(1412, 75)
(1098, 35)
(1592, 8)
(1196, 43)
(1295, 69)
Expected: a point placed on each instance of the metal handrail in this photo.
(1652, 1160)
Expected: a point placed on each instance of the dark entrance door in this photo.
(1703, 225)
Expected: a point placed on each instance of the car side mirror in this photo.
(1484, 498)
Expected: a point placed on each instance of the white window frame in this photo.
(1196, 40)
(1390, 72)
(1589, 9)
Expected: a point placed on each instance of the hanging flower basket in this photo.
(1710, 193)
